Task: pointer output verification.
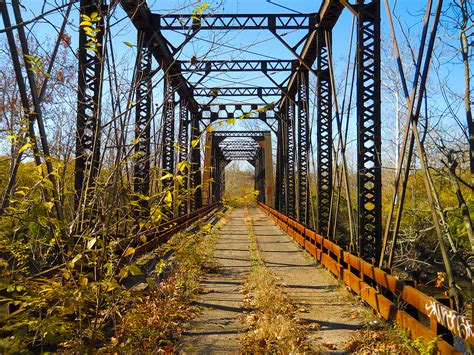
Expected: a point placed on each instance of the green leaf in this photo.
(129, 44)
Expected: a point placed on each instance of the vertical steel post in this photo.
(260, 175)
(369, 182)
(268, 169)
(88, 103)
(324, 134)
(208, 173)
(167, 162)
(195, 173)
(141, 168)
(303, 147)
(290, 178)
(183, 153)
(279, 174)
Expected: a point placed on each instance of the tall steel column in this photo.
(195, 173)
(268, 169)
(290, 178)
(260, 175)
(183, 154)
(88, 103)
(167, 158)
(280, 174)
(368, 130)
(324, 134)
(141, 168)
(303, 147)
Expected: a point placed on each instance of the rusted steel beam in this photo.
(368, 281)
(326, 18)
(188, 22)
(237, 91)
(237, 66)
(142, 19)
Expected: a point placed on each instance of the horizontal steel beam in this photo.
(238, 144)
(326, 18)
(141, 17)
(246, 134)
(237, 66)
(237, 91)
(234, 22)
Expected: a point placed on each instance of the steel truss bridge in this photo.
(284, 190)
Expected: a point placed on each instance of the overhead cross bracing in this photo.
(286, 98)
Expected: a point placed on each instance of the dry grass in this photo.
(155, 321)
(389, 339)
(271, 321)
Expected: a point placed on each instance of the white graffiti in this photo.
(450, 319)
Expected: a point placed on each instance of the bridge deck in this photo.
(311, 287)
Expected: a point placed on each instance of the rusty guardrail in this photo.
(392, 298)
(162, 233)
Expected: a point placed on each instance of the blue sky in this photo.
(257, 44)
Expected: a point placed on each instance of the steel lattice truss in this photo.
(237, 91)
(239, 150)
(238, 66)
(239, 111)
(233, 22)
(286, 103)
(142, 121)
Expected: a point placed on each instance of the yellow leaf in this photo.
(179, 179)
(195, 142)
(183, 165)
(123, 272)
(231, 120)
(167, 176)
(49, 205)
(91, 243)
(129, 251)
(135, 270)
(76, 258)
(26, 146)
(168, 197)
(85, 23)
(143, 238)
(83, 281)
(210, 128)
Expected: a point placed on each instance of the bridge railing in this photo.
(163, 232)
(392, 298)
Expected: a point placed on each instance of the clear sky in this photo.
(245, 44)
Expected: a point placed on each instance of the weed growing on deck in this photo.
(154, 322)
(272, 323)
